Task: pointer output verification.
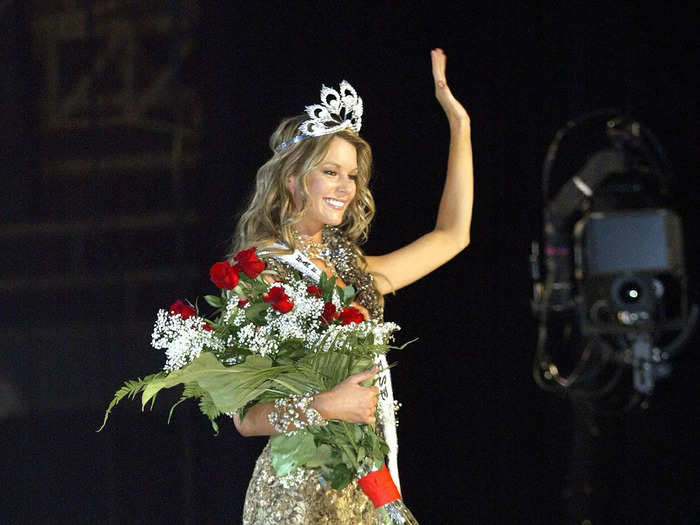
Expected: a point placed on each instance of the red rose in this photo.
(242, 303)
(279, 300)
(329, 313)
(284, 306)
(223, 275)
(274, 294)
(185, 310)
(351, 315)
(207, 327)
(249, 262)
(314, 290)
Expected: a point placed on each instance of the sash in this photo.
(385, 404)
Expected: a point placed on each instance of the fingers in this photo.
(359, 403)
(363, 376)
(454, 111)
(373, 408)
(370, 399)
(371, 411)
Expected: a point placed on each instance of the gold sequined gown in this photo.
(303, 497)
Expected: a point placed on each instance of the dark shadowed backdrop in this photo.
(130, 135)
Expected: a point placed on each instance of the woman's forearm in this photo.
(257, 420)
(455, 210)
(348, 401)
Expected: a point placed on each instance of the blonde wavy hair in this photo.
(271, 213)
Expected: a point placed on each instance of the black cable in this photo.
(553, 149)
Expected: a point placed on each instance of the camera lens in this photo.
(630, 292)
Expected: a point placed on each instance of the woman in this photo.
(312, 196)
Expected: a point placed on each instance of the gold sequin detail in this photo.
(270, 501)
(345, 261)
(304, 498)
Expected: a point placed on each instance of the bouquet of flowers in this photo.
(267, 340)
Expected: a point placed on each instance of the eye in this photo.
(353, 176)
(330, 172)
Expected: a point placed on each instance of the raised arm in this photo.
(451, 234)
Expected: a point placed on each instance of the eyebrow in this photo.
(336, 164)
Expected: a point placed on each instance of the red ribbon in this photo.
(379, 487)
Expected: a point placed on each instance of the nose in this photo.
(345, 183)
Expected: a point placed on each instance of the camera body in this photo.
(610, 285)
(629, 271)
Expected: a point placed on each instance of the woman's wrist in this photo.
(294, 413)
(459, 124)
(322, 402)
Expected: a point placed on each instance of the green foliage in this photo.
(333, 367)
(322, 456)
(130, 389)
(340, 449)
(215, 300)
(219, 389)
(351, 449)
(328, 286)
(340, 475)
(347, 295)
(255, 313)
(206, 403)
(290, 351)
(289, 451)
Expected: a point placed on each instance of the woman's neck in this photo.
(308, 235)
(315, 249)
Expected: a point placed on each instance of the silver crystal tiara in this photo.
(337, 111)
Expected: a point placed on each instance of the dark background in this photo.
(90, 250)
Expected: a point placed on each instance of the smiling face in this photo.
(331, 187)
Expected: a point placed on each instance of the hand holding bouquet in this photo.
(267, 340)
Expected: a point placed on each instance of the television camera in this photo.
(610, 284)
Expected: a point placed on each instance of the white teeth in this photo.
(336, 203)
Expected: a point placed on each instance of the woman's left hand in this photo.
(453, 109)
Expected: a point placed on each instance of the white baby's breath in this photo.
(182, 339)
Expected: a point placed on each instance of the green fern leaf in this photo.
(130, 389)
(208, 408)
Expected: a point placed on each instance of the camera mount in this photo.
(610, 286)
